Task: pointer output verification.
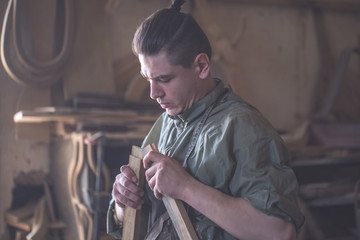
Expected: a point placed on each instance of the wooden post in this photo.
(176, 210)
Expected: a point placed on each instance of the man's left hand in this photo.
(165, 175)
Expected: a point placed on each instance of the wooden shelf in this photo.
(345, 199)
(321, 161)
(123, 125)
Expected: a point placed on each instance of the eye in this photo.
(164, 79)
(161, 79)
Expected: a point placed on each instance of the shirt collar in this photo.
(198, 108)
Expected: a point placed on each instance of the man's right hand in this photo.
(125, 190)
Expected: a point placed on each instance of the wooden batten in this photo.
(132, 227)
(176, 210)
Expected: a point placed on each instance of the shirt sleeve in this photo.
(266, 182)
(250, 161)
(112, 227)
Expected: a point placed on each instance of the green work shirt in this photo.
(238, 152)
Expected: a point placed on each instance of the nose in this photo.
(155, 90)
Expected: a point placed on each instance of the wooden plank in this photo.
(136, 152)
(70, 115)
(176, 210)
(21, 213)
(180, 219)
(132, 217)
(24, 225)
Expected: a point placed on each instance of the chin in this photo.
(172, 112)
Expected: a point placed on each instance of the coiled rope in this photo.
(26, 70)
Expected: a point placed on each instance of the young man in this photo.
(218, 154)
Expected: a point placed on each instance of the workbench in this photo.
(327, 179)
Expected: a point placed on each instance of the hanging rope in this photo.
(26, 70)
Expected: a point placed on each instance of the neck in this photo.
(204, 87)
(208, 86)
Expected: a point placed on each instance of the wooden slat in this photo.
(132, 217)
(176, 210)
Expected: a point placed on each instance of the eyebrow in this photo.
(157, 78)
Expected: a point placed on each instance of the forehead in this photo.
(155, 65)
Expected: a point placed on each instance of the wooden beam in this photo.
(350, 6)
(176, 210)
(132, 217)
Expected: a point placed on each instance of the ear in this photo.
(202, 65)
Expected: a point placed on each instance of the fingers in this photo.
(152, 176)
(152, 182)
(158, 195)
(155, 163)
(123, 201)
(129, 173)
(125, 190)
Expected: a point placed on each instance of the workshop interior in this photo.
(73, 103)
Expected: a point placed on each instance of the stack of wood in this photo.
(35, 220)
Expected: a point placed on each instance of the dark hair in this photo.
(173, 31)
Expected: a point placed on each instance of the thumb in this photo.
(151, 158)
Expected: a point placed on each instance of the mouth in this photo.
(164, 105)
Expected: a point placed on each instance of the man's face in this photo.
(174, 87)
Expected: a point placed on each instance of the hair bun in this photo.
(176, 5)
